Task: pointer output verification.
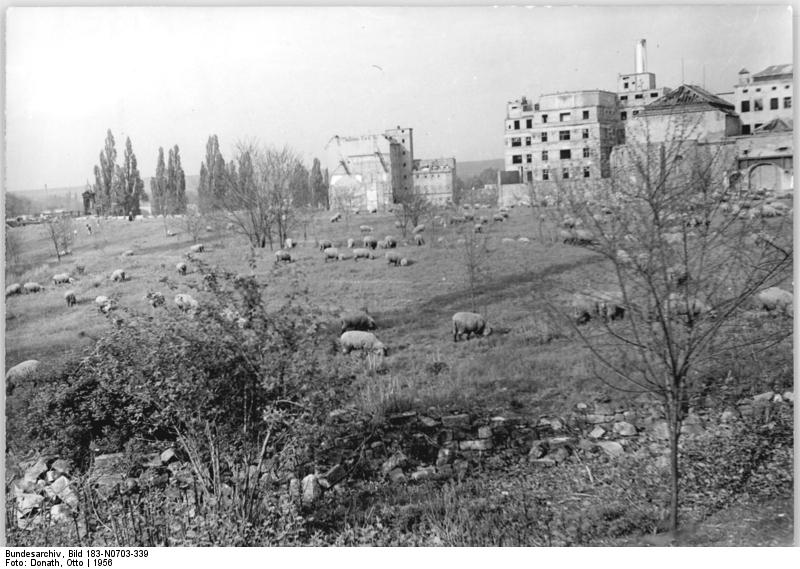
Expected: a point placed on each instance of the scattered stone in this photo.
(729, 415)
(624, 429)
(499, 421)
(603, 409)
(480, 444)
(538, 449)
(335, 474)
(766, 396)
(399, 418)
(397, 460)
(423, 473)
(777, 399)
(445, 457)
(595, 418)
(619, 417)
(336, 413)
(556, 424)
(61, 513)
(660, 430)
(397, 476)
(428, 422)
(62, 466)
(33, 473)
(629, 416)
(581, 406)
(168, 456)
(560, 455)
(26, 503)
(461, 467)
(485, 432)
(378, 448)
(611, 448)
(294, 488)
(597, 432)
(461, 420)
(311, 489)
(108, 462)
(692, 429)
(542, 461)
(789, 396)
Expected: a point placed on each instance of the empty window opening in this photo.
(544, 155)
(563, 135)
(758, 105)
(565, 154)
(545, 174)
(563, 117)
(745, 106)
(585, 133)
(544, 118)
(586, 153)
(586, 172)
(585, 114)
(528, 123)
(544, 137)
(787, 102)
(565, 174)
(516, 159)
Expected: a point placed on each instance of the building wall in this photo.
(404, 138)
(564, 132)
(766, 160)
(435, 178)
(687, 123)
(772, 95)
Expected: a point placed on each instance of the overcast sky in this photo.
(298, 76)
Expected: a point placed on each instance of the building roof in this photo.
(774, 71)
(689, 95)
(777, 125)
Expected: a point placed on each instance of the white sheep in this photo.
(118, 275)
(370, 242)
(31, 287)
(689, 307)
(15, 288)
(324, 244)
(331, 253)
(469, 323)
(363, 341)
(419, 240)
(283, 256)
(362, 253)
(128, 253)
(393, 257)
(105, 304)
(774, 298)
(181, 268)
(365, 228)
(155, 299)
(350, 242)
(336, 217)
(403, 262)
(289, 244)
(186, 302)
(507, 240)
(19, 372)
(198, 248)
(61, 278)
(419, 228)
(357, 320)
(524, 240)
(70, 298)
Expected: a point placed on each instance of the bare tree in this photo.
(193, 222)
(345, 200)
(61, 231)
(410, 208)
(683, 265)
(474, 255)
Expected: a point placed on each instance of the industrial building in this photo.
(435, 178)
(764, 96)
(635, 90)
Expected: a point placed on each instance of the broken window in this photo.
(544, 137)
(639, 96)
(544, 155)
(623, 115)
(585, 133)
(758, 105)
(544, 118)
(563, 117)
(529, 158)
(585, 115)
(516, 125)
(745, 129)
(787, 102)
(528, 141)
(565, 154)
(623, 97)
(563, 135)
(654, 94)
(516, 141)
(528, 123)
(565, 174)
(773, 103)
(586, 152)
(545, 174)
(745, 106)
(586, 172)
(516, 159)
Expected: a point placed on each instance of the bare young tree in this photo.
(345, 200)
(684, 260)
(410, 207)
(61, 232)
(474, 255)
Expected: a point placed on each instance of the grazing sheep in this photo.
(128, 253)
(469, 217)
(336, 217)
(324, 244)
(185, 302)
(209, 281)
(393, 258)
(198, 248)
(457, 219)
(361, 253)
(467, 323)
(419, 228)
(105, 304)
(171, 234)
(357, 321)
(478, 228)
(69, 296)
(774, 298)
(483, 219)
(609, 305)
(19, 372)
(365, 229)
(155, 299)
(61, 278)
(363, 341)
(687, 306)
(15, 288)
(282, 255)
(118, 275)
(498, 217)
(388, 242)
(767, 211)
(181, 268)
(370, 242)
(524, 240)
(584, 308)
(350, 242)
(32, 287)
(289, 244)
(507, 240)
(403, 262)
(331, 253)
(229, 226)
(577, 237)
(419, 240)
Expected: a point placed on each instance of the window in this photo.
(744, 90)
(758, 89)
(773, 103)
(586, 173)
(564, 117)
(516, 159)
(635, 113)
(654, 94)
(585, 115)
(529, 158)
(529, 175)
(623, 115)
(758, 105)
(625, 85)
(528, 141)
(544, 118)
(787, 102)
(544, 137)
(745, 106)
(565, 174)
(639, 96)
(528, 123)
(774, 87)
(585, 133)
(516, 125)
(516, 141)
(545, 174)
(757, 126)
(565, 154)
(563, 135)
(544, 155)
(586, 152)
(623, 97)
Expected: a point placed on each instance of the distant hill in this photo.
(466, 170)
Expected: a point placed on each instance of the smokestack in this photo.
(641, 56)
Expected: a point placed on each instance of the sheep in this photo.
(209, 229)
(105, 304)
(15, 288)
(185, 302)
(61, 278)
(19, 372)
(229, 226)
(324, 244)
(155, 299)
(181, 268)
(289, 243)
(336, 217)
(350, 242)
(393, 258)
(419, 240)
(388, 242)
(282, 255)
(398, 225)
(403, 262)
(584, 308)
(363, 341)
(171, 234)
(357, 321)
(507, 240)
(209, 281)
(419, 228)
(469, 217)
(32, 287)
(370, 242)
(689, 307)
(576, 237)
(478, 228)
(70, 298)
(768, 211)
(457, 219)
(609, 305)
(198, 248)
(331, 253)
(118, 275)
(365, 229)
(498, 217)
(361, 253)
(774, 298)
(466, 323)
(128, 253)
